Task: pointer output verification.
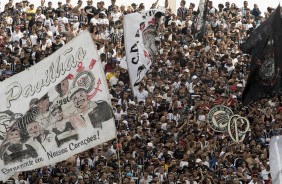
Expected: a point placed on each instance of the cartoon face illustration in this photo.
(34, 129)
(43, 105)
(80, 99)
(58, 114)
(64, 87)
(14, 136)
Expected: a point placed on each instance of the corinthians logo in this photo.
(218, 118)
(86, 79)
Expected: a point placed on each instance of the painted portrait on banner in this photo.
(62, 109)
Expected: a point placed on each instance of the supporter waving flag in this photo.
(265, 46)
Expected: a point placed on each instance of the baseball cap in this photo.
(74, 90)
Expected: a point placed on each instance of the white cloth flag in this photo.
(55, 109)
(201, 9)
(141, 40)
(275, 159)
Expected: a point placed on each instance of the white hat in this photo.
(145, 115)
(185, 47)
(150, 144)
(74, 90)
(198, 160)
(207, 48)
(186, 70)
(199, 44)
(239, 85)
(194, 77)
(221, 153)
(131, 103)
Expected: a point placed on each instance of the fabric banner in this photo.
(141, 43)
(275, 158)
(265, 46)
(201, 19)
(172, 5)
(55, 109)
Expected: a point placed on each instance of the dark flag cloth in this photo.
(265, 46)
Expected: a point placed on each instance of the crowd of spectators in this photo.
(163, 135)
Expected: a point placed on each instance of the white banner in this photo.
(141, 41)
(173, 6)
(55, 109)
(275, 159)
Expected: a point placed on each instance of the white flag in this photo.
(141, 43)
(55, 109)
(275, 159)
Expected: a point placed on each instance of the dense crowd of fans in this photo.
(163, 135)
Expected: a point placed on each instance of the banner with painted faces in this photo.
(55, 109)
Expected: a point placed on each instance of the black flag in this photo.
(265, 46)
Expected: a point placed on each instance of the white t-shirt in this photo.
(141, 96)
(33, 39)
(16, 36)
(115, 16)
(63, 20)
(104, 21)
(94, 21)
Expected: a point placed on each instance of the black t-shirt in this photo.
(51, 9)
(178, 154)
(89, 9)
(167, 19)
(56, 46)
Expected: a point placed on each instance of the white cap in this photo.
(131, 103)
(194, 77)
(150, 144)
(198, 160)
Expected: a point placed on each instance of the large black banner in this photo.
(265, 46)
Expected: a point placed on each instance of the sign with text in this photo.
(141, 43)
(55, 109)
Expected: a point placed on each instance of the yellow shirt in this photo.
(109, 76)
(29, 17)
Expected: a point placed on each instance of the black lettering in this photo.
(134, 48)
(50, 155)
(71, 146)
(39, 160)
(5, 171)
(135, 60)
(56, 153)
